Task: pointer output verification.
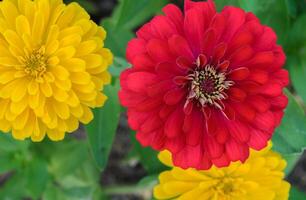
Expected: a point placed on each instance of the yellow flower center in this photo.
(227, 186)
(36, 63)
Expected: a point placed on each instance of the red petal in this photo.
(222, 135)
(163, 26)
(143, 62)
(175, 15)
(194, 135)
(271, 89)
(135, 119)
(159, 50)
(260, 103)
(282, 77)
(265, 121)
(236, 94)
(245, 111)
(134, 48)
(165, 111)
(188, 107)
(148, 104)
(173, 125)
(236, 18)
(188, 157)
(151, 123)
(223, 161)
(174, 96)
(179, 46)
(233, 150)
(224, 65)
(263, 60)
(139, 81)
(175, 145)
(259, 76)
(239, 131)
(239, 74)
(215, 150)
(228, 112)
(258, 140)
(159, 88)
(242, 38)
(241, 55)
(184, 63)
(208, 42)
(219, 52)
(279, 102)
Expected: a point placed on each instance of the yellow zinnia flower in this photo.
(260, 177)
(52, 68)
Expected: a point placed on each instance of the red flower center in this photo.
(207, 84)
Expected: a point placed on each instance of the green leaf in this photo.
(66, 158)
(148, 157)
(8, 162)
(117, 37)
(290, 136)
(291, 159)
(102, 129)
(8, 144)
(297, 36)
(118, 66)
(14, 187)
(292, 7)
(127, 16)
(273, 13)
(37, 177)
(221, 3)
(130, 14)
(149, 181)
(297, 73)
(296, 194)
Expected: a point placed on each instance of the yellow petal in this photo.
(33, 87)
(59, 72)
(38, 27)
(87, 115)
(80, 77)
(55, 135)
(86, 47)
(22, 25)
(92, 60)
(74, 65)
(46, 89)
(61, 109)
(65, 53)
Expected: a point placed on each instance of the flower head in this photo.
(260, 177)
(53, 68)
(206, 86)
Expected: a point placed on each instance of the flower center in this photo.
(207, 85)
(36, 63)
(227, 186)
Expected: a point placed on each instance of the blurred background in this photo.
(107, 163)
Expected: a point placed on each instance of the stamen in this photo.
(35, 63)
(208, 85)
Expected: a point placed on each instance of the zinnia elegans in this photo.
(260, 177)
(206, 86)
(53, 67)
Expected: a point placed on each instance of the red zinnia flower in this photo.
(207, 86)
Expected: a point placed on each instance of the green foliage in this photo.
(147, 157)
(290, 137)
(296, 194)
(101, 131)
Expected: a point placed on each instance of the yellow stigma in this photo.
(36, 63)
